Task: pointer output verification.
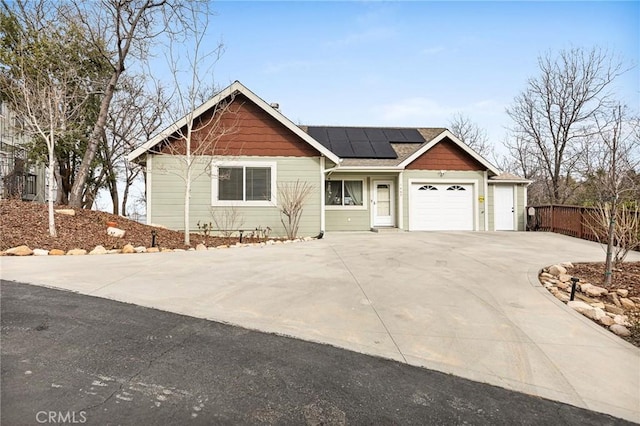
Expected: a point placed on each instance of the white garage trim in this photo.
(474, 195)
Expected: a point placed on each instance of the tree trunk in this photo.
(52, 160)
(77, 190)
(187, 202)
(610, 241)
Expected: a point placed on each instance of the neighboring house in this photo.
(414, 179)
(18, 178)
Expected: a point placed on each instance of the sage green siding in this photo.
(433, 176)
(356, 218)
(520, 205)
(167, 194)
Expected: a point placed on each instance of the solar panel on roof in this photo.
(365, 142)
(363, 149)
(383, 150)
(375, 134)
(394, 135)
(412, 136)
(357, 134)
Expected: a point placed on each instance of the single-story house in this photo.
(363, 178)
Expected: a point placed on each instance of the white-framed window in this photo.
(237, 183)
(345, 194)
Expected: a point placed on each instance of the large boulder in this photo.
(115, 232)
(76, 252)
(153, 250)
(565, 278)
(200, 247)
(19, 251)
(627, 303)
(620, 330)
(579, 306)
(557, 270)
(595, 291)
(56, 252)
(140, 249)
(40, 252)
(606, 321)
(622, 292)
(98, 250)
(128, 249)
(613, 309)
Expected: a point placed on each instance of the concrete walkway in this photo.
(462, 303)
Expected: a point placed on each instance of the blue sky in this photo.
(410, 63)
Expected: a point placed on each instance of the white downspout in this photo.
(486, 201)
(401, 200)
(149, 187)
(322, 194)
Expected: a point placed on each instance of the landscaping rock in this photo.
(114, 251)
(622, 292)
(165, 250)
(98, 250)
(564, 286)
(613, 309)
(606, 321)
(579, 306)
(56, 252)
(620, 330)
(621, 319)
(614, 298)
(153, 250)
(40, 252)
(176, 249)
(635, 300)
(115, 232)
(565, 278)
(598, 305)
(627, 303)
(140, 249)
(557, 270)
(561, 296)
(68, 212)
(595, 291)
(584, 287)
(19, 251)
(546, 275)
(201, 247)
(566, 265)
(76, 252)
(594, 313)
(128, 249)
(223, 246)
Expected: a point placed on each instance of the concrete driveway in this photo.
(462, 303)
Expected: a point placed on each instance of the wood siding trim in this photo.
(446, 155)
(243, 129)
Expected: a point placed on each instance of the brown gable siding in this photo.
(243, 129)
(446, 155)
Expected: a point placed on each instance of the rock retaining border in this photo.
(130, 249)
(608, 308)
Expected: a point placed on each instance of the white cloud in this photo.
(414, 111)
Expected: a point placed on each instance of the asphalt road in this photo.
(78, 359)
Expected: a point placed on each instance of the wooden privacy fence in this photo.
(574, 221)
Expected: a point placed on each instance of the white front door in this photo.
(382, 203)
(503, 208)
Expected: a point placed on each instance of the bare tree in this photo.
(557, 111)
(127, 26)
(291, 199)
(470, 133)
(615, 157)
(200, 135)
(135, 115)
(42, 81)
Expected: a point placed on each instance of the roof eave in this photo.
(238, 87)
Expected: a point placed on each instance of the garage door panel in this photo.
(441, 207)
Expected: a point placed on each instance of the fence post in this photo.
(582, 222)
(552, 220)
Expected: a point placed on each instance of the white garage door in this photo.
(441, 207)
